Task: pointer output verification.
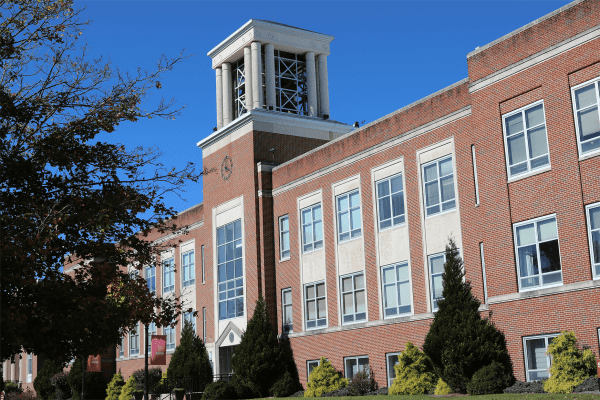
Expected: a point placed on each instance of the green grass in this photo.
(523, 396)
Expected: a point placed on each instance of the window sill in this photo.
(537, 288)
(591, 154)
(528, 174)
(442, 213)
(285, 259)
(353, 323)
(570, 287)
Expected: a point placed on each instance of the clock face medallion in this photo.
(226, 167)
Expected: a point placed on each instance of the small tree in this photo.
(61, 386)
(570, 366)
(324, 379)
(115, 387)
(190, 359)
(42, 385)
(414, 373)
(459, 341)
(128, 389)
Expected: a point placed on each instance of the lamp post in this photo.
(146, 363)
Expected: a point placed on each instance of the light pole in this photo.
(146, 363)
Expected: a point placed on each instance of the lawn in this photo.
(523, 396)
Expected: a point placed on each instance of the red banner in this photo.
(159, 347)
(94, 364)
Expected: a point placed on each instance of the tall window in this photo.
(151, 331)
(312, 228)
(436, 269)
(204, 324)
(438, 179)
(538, 254)
(189, 273)
(586, 98)
(151, 277)
(310, 365)
(122, 347)
(284, 237)
(348, 210)
(134, 341)
(189, 318)
(316, 305)
(29, 367)
(291, 94)
(396, 290)
(537, 361)
(353, 298)
(391, 361)
(170, 334)
(286, 306)
(202, 251)
(594, 235)
(525, 139)
(239, 87)
(354, 365)
(168, 275)
(231, 271)
(390, 202)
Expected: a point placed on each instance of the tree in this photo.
(42, 384)
(414, 373)
(67, 197)
(190, 359)
(324, 379)
(459, 341)
(115, 387)
(128, 389)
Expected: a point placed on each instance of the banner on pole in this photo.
(94, 364)
(159, 347)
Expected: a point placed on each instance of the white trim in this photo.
(439, 185)
(354, 358)
(353, 291)
(595, 81)
(304, 300)
(475, 175)
(430, 278)
(589, 231)
(281, 258)
(283, 304)
(311, 361)
(180, 232)
(382, 290)
(548, 291)
(548, 358)
(387, 367)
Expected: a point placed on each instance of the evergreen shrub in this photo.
(414, 373)
(219, 390)
(154, 377)
(163, 386)
(324, 379)
(11, 387)
(42, 384)
(128, 389)
(242, 388)
(285, 386)
(115, 387)
(95, 385)
(490, 379)
(442, 388)
(61, 386)
(362, 382)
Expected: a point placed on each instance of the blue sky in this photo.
(385, 55)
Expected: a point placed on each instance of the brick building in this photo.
(343, 229)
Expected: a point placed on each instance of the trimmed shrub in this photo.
(414, 373)
(162, 386)
(490, 379)
(11, 387)
(459, 342)
(42, 384)
(285, 386)
(324, 379)
(242, 388)
(442, 388)
(115, 387)
(570, 367)
(591, 384)
(219, 390)
(526, 387)
(128, 389)
(362, 382)
(61, 386)
(154, 377)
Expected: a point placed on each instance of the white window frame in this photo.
(396, 283)
(537, 245)
(150, 272)
(526, 359)
(169, 332)
(230, 286)
(433, 303)
(596, 83)
(388, 198)
(314, 243)
(595, 267)
(439, 186)
(390, 379)
(29, 367)
(315, 299)
(352, 234)
(354, 292)
(168, 268)
(134, 341)
(356, 358)
(287, 328)
(190, 268)
(122, 347)
(189, 316)
(203, 275)
(282, 231)
(308, 366)
(204, 324)
(152, 330)
(526, 129)
(475, 180)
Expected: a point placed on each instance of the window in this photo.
(312, 228)
(348, 210)
(438, 180)
(525, 139)
(290, 83)
(286, 306)
(29, 367)
(537, 362)
(189, 318)
(170, 333)
(231, 270)
(485, 294)
(390, 202)
(151, 331)
(475, 175)
(134, 341)
(436, 269)
(396, 290)
(238, 74)
(538, 255)
(169, 275)
(189, 273)
(151, 278)
(354, 365)
(310, 365)
(316, 305)
(594, 235)
(122, 347)
(204, 324)
(284, 237)
(202, 251)
(391, 361)
(212, 367)
(586, 98)
(353, 298)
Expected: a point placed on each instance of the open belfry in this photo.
(342, 229)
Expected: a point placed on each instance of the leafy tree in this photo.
(570, 366)
(61, 386)
(128, 389)
(115, 387)
(67, 196)
(459, 341)
(42, 385)
(324, 379)
(414, 373)
(190, 359)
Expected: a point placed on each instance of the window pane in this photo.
(318, 232)
(310, 305)
(528, 263)
(403, 272)
(348, 304)
(547, 230)
(432, 194)
(347, 284)
(396, 183)
(525, 235)
(538, 143)
(229, 255)
(549, 256)
(306, 216)
(354, 199)
(430, 172)
(535, 115)
(585, 96)
(536, 354)
(404, 289)
(392, 361)
(307, 234)
(360, 301)
(285, 241)
(514, 124)
(359, 281)
(385, 211)
(516, 149)
(310, 292)
(238, 268)
(355, 218)
(446, 167)
(342, 203)
(320, 290)
(398, 204)
(390, 296)
(221, 236)
(595, 218)
(221, 256)
(589, 124)
(287, 297)
(437, 288)
(383, 189)
(596, 246)
(447, 184)
(317, 213)
(388, 275)
(350, 367)
(229, 232)
(437, 264)
(321, 308)
(285, 224)
(238, 248)
(344, 222)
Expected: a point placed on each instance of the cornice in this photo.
(180, 232)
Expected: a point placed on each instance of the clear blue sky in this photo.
(385, 55)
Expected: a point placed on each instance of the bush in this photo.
(61, 386)
(591, 384)
(414, 373)
(11, 387)
(526, 387)
(42, 384)
(22, 395)
(154, 377)
(115, 387)
(490, 379)
(324, 379)
(219, 390)
(128, 389)
(242, 388)
(362, 382)
(285, 386)
(163, 386)
(442, 388)
(459, 342)
(570, 367)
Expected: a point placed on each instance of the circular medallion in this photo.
(231, 337)
(226, 167)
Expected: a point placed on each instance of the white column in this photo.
(311, 83)
(227, 106)
(257, 93)
(248, 78)
(323, 85)
(270, 75)
(219, 75)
